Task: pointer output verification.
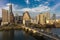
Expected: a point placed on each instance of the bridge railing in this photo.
(52, 35)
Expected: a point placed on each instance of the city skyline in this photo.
(21, 19)
(33, 6)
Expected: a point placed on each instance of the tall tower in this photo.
(47, 17)
(54, 16)
(42, 19)
(4, 17)
(7, 16)
(10, 8)
(26, 17)
(10, 15)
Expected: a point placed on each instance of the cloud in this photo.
(33, 11)
(40, 8)
(46, 2)
(55, 7)
(51, 0)
(36, 10)
(14, 6)
(57, 15)
(27, 1)
(37, 0)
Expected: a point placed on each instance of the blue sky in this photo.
(35, 2)
(33, 6)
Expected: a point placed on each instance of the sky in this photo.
(34, 7)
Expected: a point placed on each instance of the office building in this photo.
(10, 14)
(43, 18)
(7, 16)
(26, 17)
(4, 16)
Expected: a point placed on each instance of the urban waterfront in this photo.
(29, 19)
(21, 35)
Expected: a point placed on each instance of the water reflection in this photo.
(21, 35)
(8, 35)
(15, 35)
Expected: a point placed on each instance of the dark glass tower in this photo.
(10, 8)
(54, 16)
(11, 16)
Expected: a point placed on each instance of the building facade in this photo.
(18, 19)
(26, 17)
(7, 16)
(4, 16)
(10, 14)
(47, 17)
(43, 18)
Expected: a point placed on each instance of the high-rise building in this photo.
(26, 17)
(18, 19)
(4, 16)
(47, 17)
(7, 16)
(54, 17)
(42, 18)
(37, 19)
(10, 14)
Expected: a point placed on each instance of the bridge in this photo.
(33, 30)
(39, 32)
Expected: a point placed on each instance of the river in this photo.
(15, 35)
(21, 35)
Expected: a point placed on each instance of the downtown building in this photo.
(18, 19)
(47, 17)
(53, 19)
(7, 16)
(26, 18)
(4, 17)
(43, 18)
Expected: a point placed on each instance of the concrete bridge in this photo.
(40, 33)
(33, 30)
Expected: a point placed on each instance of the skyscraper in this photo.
(7, 16)
(54, 17)
(47, 17)
(42, 18)
(4, 17)
(10, 14)
(26, 17)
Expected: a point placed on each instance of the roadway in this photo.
(50, 35)
(35, 30)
